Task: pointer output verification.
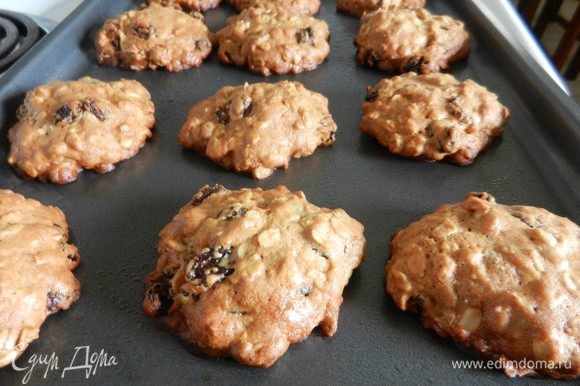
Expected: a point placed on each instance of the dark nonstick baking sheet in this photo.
(115, 218)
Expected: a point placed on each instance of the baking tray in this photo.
(115, 218)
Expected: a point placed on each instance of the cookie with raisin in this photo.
(152, 38)
(246, 273)
(502, 281)
(433, 117)
(405, 40)
(273, 40)
(259, 127)
(65, 127)
(188, 5)
(36, 263)
(358, 8)
(303, 7)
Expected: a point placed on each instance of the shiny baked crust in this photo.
(407, 40)
(154, 37)
(273, 39)
(259, 127)
(303, 7)
(65, 127)
(246, 273)
(188, 5)
(358, 8)
(503, 281)
(433, 117)
(35, 270)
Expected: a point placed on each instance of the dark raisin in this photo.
(306, 290)
(65, 113)
(72, 257)
(89, 105)
(216, 261)
(143, 31)
(248, 107)
(414, 65)
(236, 213)
(159, 295)
(223, 114)
(371, 58)
(372, 95)
(331, 137)
(54, 299)
(201, 44)
(305, 36)
(204, 193)
(115, 43)
(454, 109)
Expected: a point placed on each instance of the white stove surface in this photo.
(54, 10)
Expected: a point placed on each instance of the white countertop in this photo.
(501, 12)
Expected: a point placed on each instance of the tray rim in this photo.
(533, 72)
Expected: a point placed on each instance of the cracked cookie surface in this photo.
(303, 7)
(191, 5)
(406, 40)
(272, 39)
(154, 37)
(259, 127)
(433, 117)
(65, 127)
(503, 281)
(246, 273)
(360, 7)
(35, 270)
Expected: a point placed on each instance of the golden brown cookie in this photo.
(259, 127)
(35, 270)
(358, 8)
(154, 37)
(246, 273)
(65, 127)
(433, 117)
(190, 5)
(303, 7)
(273, 40)
(407, 40)
(503, 281)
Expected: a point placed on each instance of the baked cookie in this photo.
(433, 117)
(360, 7)
(154, 37)
(303, 7)
(503, 281)
(64, 127)
(246, 273)
(410, 40)
(35, 270)
(273, 40)
(260, 127)
(190, 5)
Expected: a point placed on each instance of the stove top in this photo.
(18, 33)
